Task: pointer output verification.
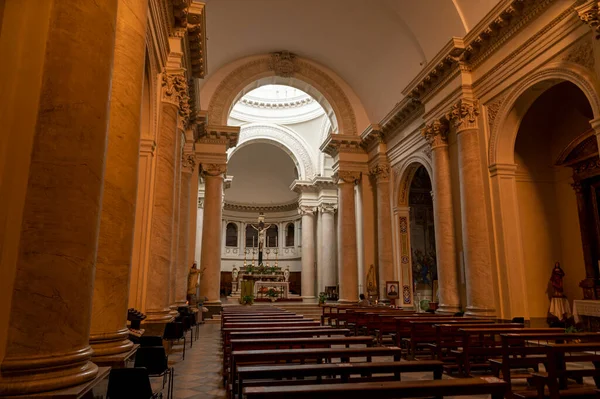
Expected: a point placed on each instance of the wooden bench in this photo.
(384, 390)
(479, 345)
(313, 355)
(334, 373)
(403, 325)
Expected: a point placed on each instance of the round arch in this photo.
(281, 137)
(406, 172)
(513, 109)
(307, 76)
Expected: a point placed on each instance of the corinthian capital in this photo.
(188, 163)
(213, 169)
(175, 91)
(589, 13)
(346, 176)
(381, 172)
(328, 208)
(436, 133)
(464, 114)
(307, 210)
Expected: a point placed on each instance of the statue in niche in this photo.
(286, 274)
(557, 281)
(192, 284)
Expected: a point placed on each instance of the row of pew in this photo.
(272, 353)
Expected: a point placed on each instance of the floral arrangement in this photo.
(247, 300)
(322, 297)
(272, 293)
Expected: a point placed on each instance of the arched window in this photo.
(289, 235)
(231, 235)
(251, 236)
(271, 237)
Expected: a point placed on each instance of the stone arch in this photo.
(307, 76)
(282, 137)
(506, 126)
(405, 173)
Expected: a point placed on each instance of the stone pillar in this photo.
(184, 263)
(193, 216)
(475, 231)
(348, 262)
(210, 261)
(308, 251)
(328, 248)
(381, 172)
(46, 339)
(436, 135)
(319, 252)
(161, 235)
(109, 333)
(176, 233)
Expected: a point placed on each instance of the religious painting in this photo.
(392, 289)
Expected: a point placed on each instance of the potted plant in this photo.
(247, 300)
(272, 294)
(322, 298)
(250, 269)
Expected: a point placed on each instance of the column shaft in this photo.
(47, 341)
(348, 263)
(161, 240)
(175, 253)
(210, 260)
(328, 247)
(308, 252)
(384, 226)
(193, 216)
(183, 263)
(109, 333)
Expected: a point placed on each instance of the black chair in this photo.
(186, 320)
(174, 332)
(155, 360)
(132, 383)
(150, 340)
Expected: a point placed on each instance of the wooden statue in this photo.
(557, 281)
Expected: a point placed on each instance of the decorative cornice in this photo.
(402, 114)
(372, 136)
(212, 169)
(336, 143)
(226, 135)
(436, 133)
(463, 114)
(283, 63)
(589, 13)
(276, 104)
(231, 206)
(347, 176)
(196, 28)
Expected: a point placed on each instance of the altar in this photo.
(282, 286)
(588, 312)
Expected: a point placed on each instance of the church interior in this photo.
(236, 198)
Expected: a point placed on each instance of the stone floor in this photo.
(199, 375)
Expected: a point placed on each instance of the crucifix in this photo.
(261, 229)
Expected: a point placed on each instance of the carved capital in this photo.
(346, 176)
(589, 13)
(200, 202)
(307, 210)
(464, 114)
(213, 169)
(436, 133)
(175, 91)
(327, 208)
(188, 163)
(283, 63)
(381, 172)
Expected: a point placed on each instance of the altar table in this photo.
(585, 308)
(276, 284)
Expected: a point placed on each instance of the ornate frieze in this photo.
(213, 169)
(230, 206)
(464, 114)
(226, 135)
(436, 133)
(589, 13)
(347, 176)
(283, 63)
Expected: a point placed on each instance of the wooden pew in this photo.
(312, 355)
(403, 326)
(384, 390)
(479, 345)
(281, 375)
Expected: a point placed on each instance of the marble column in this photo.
(384, 226)
(348, 262)
(109, 333)
(436, 135)
(183, 263)
(161, 234)
(328, 235)
(47, 336)
(175, 253)
(308, 251)
(193, 216)
(210, 259)
(475, 231)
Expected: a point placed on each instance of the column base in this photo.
(34, 374)
(110, 344)
(448, 309)
(474, 311)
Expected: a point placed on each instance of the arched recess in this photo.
(511, 272)
(307, 76)
(404, 174)
(286, 139)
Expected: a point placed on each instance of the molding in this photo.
(232, 206)
(224, 135)
(336, 143)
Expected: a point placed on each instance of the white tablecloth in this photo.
(585, 308)
(560, 308)
(278, 284)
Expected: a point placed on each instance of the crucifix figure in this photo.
(261, 229)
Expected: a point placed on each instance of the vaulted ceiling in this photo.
(376, 46)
